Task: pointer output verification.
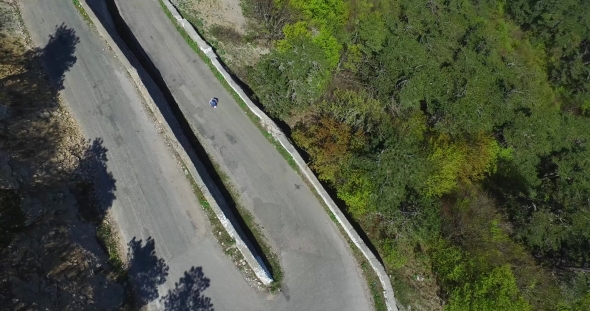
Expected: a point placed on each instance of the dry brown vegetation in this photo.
(224, 26)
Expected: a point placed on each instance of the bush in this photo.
(226, 34)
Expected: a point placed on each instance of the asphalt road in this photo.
(320, 270)
(152, 197)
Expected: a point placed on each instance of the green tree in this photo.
(291, 78)
(473, 118)
(492, 291)
(329, 13)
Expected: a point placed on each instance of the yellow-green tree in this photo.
(454, 161)
(492, 291)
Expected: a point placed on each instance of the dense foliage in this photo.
(456, 132)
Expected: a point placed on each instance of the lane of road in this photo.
(320, 271)
(153, 198)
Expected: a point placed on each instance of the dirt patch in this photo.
(223, 25)
(226, 13)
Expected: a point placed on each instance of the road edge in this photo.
(253, 261)
(276, 132)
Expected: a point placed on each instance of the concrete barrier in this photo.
(275, 131)
(195, 36)
(253, 260)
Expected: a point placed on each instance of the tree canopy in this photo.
(421, 113)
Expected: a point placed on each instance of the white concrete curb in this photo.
(253, 260)
(271, 127)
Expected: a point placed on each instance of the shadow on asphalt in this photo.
(94, 206)
(58, 54)
(31, 138)
(146, 270)
(187, 294)
(109, 16)
(28, 99)
(32, 142)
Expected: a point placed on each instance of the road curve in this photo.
(320, 271)
(152, 196)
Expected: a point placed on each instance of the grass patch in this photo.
(404, 294)
(106, 235)
(89, 210)
(228, 244)
(82, 12)
(373, 282)
(227, 34)
(273, 259)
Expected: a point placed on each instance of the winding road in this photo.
(154, 199)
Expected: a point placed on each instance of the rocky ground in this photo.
(50, 257)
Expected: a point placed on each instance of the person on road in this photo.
(213, 102)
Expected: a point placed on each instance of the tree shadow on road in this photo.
(187, 294)
(31, 134)
(51, 249)
(29, 129)
(58, 54)
(98, 184)
(51, 180)
(57, 57)
(146, 270)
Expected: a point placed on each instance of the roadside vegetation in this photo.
(455, 133)
(57, 248)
